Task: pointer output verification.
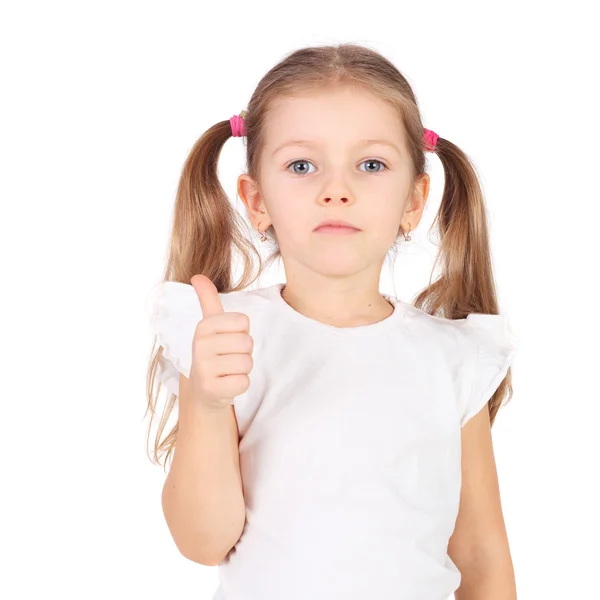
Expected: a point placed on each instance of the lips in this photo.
(336, 230)
(336, 223)
(336, 227)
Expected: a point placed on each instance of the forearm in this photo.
(487, 576)
(203, 499)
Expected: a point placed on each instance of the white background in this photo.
(101, 103)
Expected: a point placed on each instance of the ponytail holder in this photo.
(238, 126)
(430, 139)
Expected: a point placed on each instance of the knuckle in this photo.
(199, 339)
(247, 342)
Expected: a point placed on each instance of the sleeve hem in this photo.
(490, 388)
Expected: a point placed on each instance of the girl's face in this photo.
(315, 155)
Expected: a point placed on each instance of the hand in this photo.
(221, 350)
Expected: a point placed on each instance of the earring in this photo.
(263, 237)
(407, 238)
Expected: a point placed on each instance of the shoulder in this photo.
(475, 352)
(170, 297)
(475, 329)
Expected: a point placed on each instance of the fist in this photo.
(221, 350)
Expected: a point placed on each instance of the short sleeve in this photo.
(495, 347)
(173, 310)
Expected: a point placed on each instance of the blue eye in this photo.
(296, 162)
(374, 160)
(370, 160)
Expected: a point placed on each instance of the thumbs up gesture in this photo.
(221, 350)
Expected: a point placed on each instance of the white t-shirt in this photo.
(350, 443)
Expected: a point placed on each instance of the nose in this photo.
(337, 182)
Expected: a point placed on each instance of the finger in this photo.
(208, 296)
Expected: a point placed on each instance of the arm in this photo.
(202, 499)
(479, 544)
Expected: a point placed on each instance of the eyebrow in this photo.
(363, 142)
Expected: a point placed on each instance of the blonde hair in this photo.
(206, 228)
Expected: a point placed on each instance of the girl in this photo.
(356, 461)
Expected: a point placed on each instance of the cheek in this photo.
(291, 218)
(385, 212)
(382, 222)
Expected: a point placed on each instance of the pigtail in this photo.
(207, 229)
(466, 283)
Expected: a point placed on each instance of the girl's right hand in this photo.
(221, 350)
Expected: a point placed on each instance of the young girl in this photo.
(332, 442)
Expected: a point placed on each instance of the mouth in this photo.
(336, 229)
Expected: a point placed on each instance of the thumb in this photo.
(208, 295)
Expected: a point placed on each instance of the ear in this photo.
(416, 203)
(249, 193)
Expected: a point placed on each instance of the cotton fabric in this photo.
(350, 443)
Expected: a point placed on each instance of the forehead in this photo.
(341, 115)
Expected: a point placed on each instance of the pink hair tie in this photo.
(430, 138)
(238, 126)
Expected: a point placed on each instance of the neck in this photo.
(339, 309)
